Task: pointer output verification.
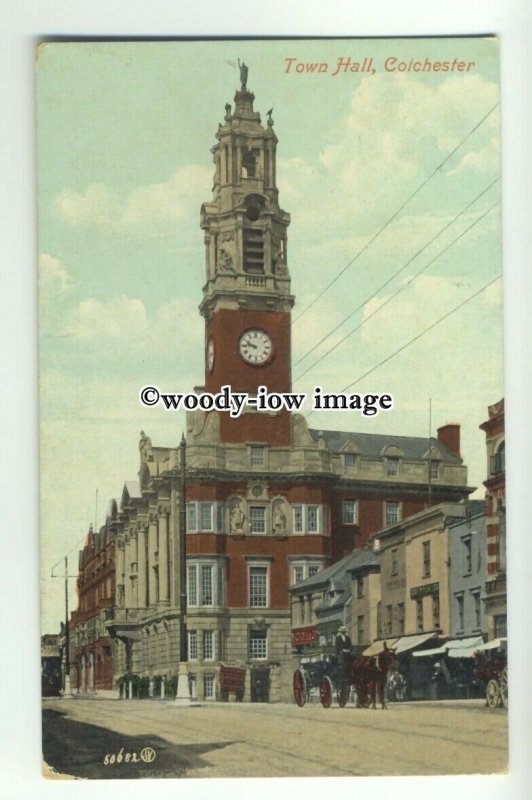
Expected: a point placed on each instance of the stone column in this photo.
(127, 572)
(152, 559)
(83, 672)
(141, 558)
(91, 672)
(120, 570)
(163, 556)
(238, 176)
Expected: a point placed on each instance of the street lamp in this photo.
(67, 689)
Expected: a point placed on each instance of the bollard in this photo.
(130, 690)
(162, 690)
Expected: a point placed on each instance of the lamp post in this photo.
(67, 689)
(183, 688)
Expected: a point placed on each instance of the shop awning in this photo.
(406, 643)
(454, 648)
(493, 644)
(464, 648)
(378, 646)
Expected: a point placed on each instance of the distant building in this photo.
(467, 575)
(325, 601)
(495, 597)
(91, 648)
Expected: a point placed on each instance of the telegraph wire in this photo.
(418, 336)
(383, 286)
(394, 215)
(397, 291)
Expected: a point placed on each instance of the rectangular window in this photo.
(192, 645)
(388, 628)
(298, 519)
(298, 573)
(205, 516)
(468, 554)
(434, 469)
(192, 589)
(258, 644)
(395, 561)
(360, 629)
(436, 610)
(258, 587)
(208, 687)
(499, 621)
(360, 587)
(401, 617)
(391, 512)
(350, 512)
(426, 559)
(220, 517)
(460, 609)
(192, 524)
(476, 602)
(419, 614)
(392, 466)
(257, 456)
(207, 598)
(350, 459)
(257, 519)
(313, 570)
(208, 645)
(313, 519)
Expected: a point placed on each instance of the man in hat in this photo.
(343, 650)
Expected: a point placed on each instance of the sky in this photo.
(124, 133)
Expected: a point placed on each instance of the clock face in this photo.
(210, 354)
(255, 346)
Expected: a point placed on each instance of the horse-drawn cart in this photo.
(491, 668)
(327, 677)
(335, 677)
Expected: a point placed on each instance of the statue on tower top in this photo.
(243, 75)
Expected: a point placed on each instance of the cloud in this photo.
(117, 318)
(53, 275)
(153, 209)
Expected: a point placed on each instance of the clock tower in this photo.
(246, 298)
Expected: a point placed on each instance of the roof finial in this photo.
(243, 75)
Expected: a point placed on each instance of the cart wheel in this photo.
(503, 680)
(492, 693)
(343, 695)
(300, 688)
(326, 692)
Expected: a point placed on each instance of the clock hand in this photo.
(250, 344)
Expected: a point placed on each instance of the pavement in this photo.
(97, 738)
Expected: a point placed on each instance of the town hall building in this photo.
(269, 501)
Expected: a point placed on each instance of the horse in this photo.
(383, 663)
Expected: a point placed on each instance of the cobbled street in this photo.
(94, 738)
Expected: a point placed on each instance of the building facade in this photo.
(495, 597)
(467, 575)
(269, 501)
(91, 647)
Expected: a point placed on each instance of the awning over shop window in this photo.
(377, 647)
(454, 648)
(406, 643)
(493, 644)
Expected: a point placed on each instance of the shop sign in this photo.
(424, 591)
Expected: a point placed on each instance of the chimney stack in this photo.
(449, 436)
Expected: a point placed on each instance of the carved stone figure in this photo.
(225, 260)
(237, 518)
(227, 117)
(279, 519)
(243, 74)
(145, 447)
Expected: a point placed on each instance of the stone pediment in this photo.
(350, 447)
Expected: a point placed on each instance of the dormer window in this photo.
(350, 459)
(392, 465)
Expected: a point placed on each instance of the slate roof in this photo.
(133, 489)
(374, 444)
(339, 570)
